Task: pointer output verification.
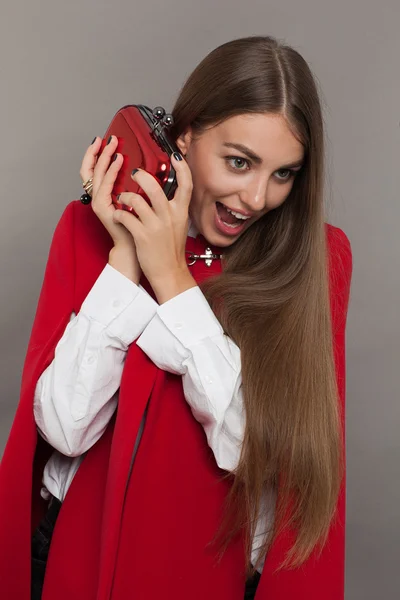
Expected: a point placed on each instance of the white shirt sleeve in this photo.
(76, 395)
(185, 337)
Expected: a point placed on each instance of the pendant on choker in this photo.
(208, 257)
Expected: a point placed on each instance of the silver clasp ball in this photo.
(168, 120)
(158, 112)
(164, 120)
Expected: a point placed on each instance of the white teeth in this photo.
(237, 215)
(230, 225)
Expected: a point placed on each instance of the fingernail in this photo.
(109, 139)
(94, 139)
(115, 157)
(177, 156)
(134, 172)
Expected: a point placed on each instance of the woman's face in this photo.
(252, 179)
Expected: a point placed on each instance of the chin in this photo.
(218, 239)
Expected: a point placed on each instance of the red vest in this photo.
(144, 532)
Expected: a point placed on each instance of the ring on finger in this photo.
(88, 186)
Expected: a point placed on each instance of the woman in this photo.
(190, 417)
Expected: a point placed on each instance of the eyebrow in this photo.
(257, 158)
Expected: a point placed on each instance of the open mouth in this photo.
(226, 222)
(227, 216)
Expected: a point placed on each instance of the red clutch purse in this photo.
(144, 142)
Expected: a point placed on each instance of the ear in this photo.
(184, 140)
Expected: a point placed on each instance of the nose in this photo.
(254, 194)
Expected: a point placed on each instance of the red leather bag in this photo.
(144, 142)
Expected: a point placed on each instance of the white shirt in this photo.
(77, 394)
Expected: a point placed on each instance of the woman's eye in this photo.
(289, 174)
(239, 162)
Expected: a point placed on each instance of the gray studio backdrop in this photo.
(67, 67)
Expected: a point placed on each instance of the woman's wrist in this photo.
(124, 259)
(173, 284)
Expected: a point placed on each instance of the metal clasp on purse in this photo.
(208, 257)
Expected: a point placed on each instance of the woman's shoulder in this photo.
(338, 241)
(339, 250)
(87, 228)
(90, 244)
(340, 260)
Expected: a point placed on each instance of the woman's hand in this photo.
(104, 171)
(160, 231)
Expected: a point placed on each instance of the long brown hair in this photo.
(275, 302)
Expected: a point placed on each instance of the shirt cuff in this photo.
(116, 302)
(189, 317)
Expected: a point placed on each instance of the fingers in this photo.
(96, 167)
(144, 212)
(162, 212)
(89, 160)
(129, 221)
(100, 175)
(153, 190)
(184, 179)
